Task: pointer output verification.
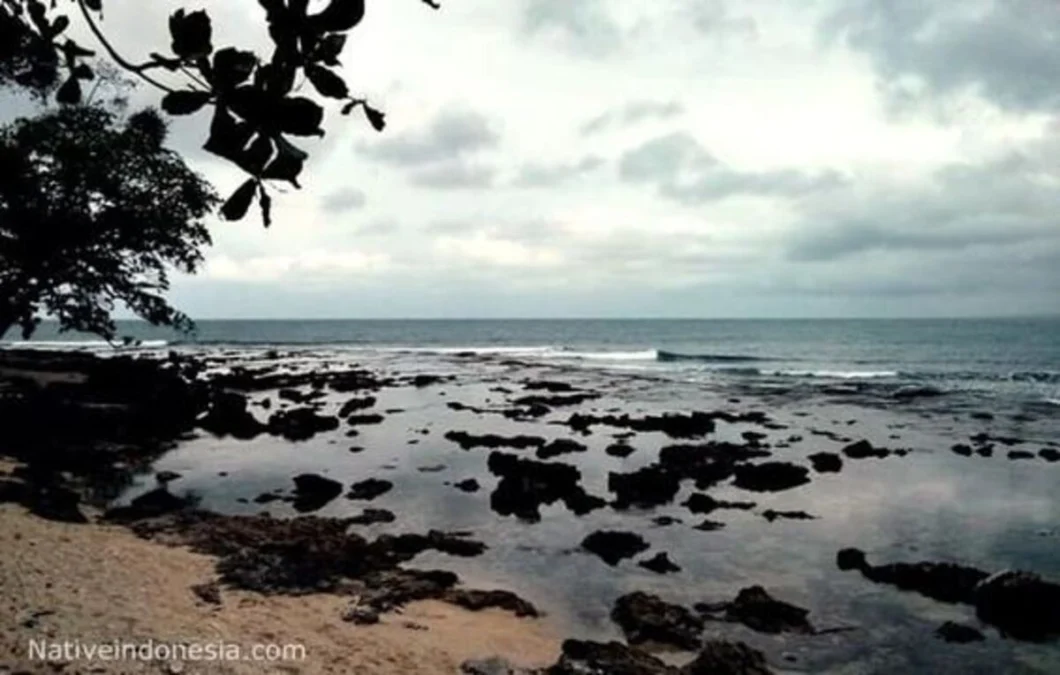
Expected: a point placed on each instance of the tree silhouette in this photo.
(95, 211)
(255, 112)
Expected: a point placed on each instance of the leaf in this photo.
(376, 118)
(298, 116)
(340, 15)
(60, 24)
(184, 102)
(329, 49)
(287, 164)
(228, 137)
(265, 202)
(191, 34)
(255, 156)
(83, 72)
(73, 50)
(94, 5)
(236, 206)
(70, 92)
(231, 67)
(326, 82)
(37, 12)
(346, 109)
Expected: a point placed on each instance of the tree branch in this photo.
(138, 70)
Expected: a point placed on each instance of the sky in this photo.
(662, 158)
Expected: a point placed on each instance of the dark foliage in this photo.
(254, 107)
(95, 212)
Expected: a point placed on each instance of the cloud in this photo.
(553, 175)
(306, 267)
(685, 172)
(712, 17)
(452, 134)
(346, 199)
(456, 175)
(585, 26)
(632, 113)
(1003, 202)
(1003, 50)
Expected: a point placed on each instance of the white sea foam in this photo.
(838, 374)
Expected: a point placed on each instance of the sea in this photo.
(920, 388)
(1017, 359)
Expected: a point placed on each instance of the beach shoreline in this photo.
(210, 424)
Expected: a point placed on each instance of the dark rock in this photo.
(959, 633)
(362, 420)
(720, 657)
(361, 615)
(701, 503)
(982, 415)
(228, 416)
(675, 425)
(946, 582)
(403, 547)
(826, 462)
(468, 485)
(300, 424)
(612, 546)
(209, 593)
(1049, 454)
(476, 600)
(619, 450)
(312, 492)
(863, 450)
(555, 400)
(771, 515)
(1020, 454)
(610, 658)
(759, 611)
(986, 450)
(851, 559)
(962, 450)
(354, 404)
(647, 618)
(355, 448)
(646, 487)
(421, 381)
(708, 526)
(151, 504)
(164, 477)
(770, 476)
(295, 396)
(432, 468)
(373, 516)
(369, 489)
(1021, 604)
(468, 441)
(665, 521)
(527, 484)
(267, 497)
(754, 438)
(493, 666)
(660, 563)
(390, 589)
(545, 385)
(559, 447)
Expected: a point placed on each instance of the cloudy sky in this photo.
(693, 158)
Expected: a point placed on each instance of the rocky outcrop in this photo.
(646, 618)
(613, 546)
